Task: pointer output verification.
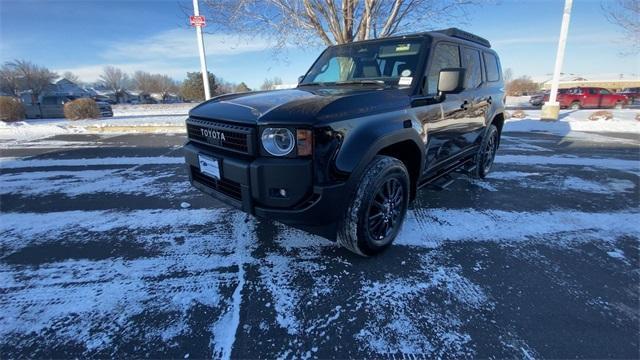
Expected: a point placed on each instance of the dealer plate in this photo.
(209, 166)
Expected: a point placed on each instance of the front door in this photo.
(442, 121)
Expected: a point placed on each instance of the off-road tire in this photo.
(353, 229)
(486, 153)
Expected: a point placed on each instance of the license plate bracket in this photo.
(209, 166)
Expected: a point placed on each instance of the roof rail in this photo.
(461, 34)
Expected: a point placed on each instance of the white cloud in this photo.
(181, 44)
(172, 52)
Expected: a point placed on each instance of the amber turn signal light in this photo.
(305, 142)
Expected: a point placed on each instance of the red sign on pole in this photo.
(197, 21)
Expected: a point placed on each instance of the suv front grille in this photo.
(225, 186)
(235, 138)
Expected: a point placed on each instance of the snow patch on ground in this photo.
(549, 181)
(432, 227)
(12, 163)
(76, 183)
(606, 163)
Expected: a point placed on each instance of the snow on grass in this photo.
(76, 183)
(432, 227)
(624, 121)
(27, 131)
(152, 109)
(12, 163)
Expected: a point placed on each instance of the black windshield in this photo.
(388, 63)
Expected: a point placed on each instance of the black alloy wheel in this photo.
(384, 210)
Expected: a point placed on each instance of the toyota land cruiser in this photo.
(368, 125)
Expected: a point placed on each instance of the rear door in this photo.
(606, 98)
(475, 97)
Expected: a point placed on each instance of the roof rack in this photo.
(461, 34)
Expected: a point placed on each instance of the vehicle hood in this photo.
(301, 105)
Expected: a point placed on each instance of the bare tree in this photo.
(32, 77)
(9, 80)
(507, 76)
(71, 77)
(164, 85)
(115, 80)
(144, 82)
(269, 84)
(625, 14)
(331, 21)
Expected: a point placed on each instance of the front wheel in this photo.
(487, 152)
(619, 105)
(376, 211)
(575, 105)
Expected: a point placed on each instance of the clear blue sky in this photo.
(84, 35)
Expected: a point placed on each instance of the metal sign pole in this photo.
(551, 109)
(203, 60)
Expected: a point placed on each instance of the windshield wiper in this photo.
(317, 84)
(365, 82)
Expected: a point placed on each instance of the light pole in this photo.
(551, 109)
(199, 23)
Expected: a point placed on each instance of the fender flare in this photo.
(402, 135)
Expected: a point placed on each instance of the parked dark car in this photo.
(369, 124)
(52, 106)
(633, 94)
(540, 98)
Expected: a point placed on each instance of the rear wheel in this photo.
(575, 105)
(487, 152)
(375, 214)
(619, 105)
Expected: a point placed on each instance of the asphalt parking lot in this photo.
(106, 251)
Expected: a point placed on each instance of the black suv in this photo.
(368, 125)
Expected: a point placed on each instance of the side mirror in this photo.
(300, 78)
(451, 80)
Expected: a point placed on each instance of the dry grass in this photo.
(519, 114)
(601, 115)
(11, 109)
(81, 109)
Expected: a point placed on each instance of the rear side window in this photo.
(491, 67)
(471, 62)
(444, 56)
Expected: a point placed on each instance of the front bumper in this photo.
(252, 185)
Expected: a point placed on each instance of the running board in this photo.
(442, 180)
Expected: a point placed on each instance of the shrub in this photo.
(81, 109)
(519, 114)
(11, 109)
(601, 115)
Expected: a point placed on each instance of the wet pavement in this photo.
(106, 251)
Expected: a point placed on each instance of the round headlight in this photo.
(278, 141)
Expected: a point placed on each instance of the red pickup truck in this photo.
(584, 97)
(591, 97)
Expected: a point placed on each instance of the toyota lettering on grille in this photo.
(213, 136)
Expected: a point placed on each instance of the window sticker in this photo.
(406, 73)
(403, 47)
(405, 80)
